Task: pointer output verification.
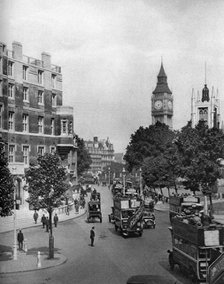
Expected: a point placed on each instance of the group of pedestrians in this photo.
(45, 220)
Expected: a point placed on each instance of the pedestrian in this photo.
(43, 221)
(47, 224)
(35, 216)
(20, 239)
(55, 220)
(92, 236)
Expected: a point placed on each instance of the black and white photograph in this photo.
(111, 141)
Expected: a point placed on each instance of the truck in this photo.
(195, 246)
(127, 215)
(178, 204)
(148, 214)
(94, 207)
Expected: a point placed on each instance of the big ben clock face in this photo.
(170, 105)
(158, 105)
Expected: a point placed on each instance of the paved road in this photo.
(113, 259)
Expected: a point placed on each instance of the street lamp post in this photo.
(14, 217)
(51, 237)
(140, 181)
(109, 177)
(123, 173)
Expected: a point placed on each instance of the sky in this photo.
(110, 52)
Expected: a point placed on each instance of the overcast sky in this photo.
(110, 52)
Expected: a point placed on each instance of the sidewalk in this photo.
(27, 261)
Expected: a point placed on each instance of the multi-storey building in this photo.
(33, 119)
(101, 153)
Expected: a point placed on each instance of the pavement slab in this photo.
(28, 261)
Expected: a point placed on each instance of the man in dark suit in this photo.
(92, 236)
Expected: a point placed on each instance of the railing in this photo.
(10, 53)
(65, 208)
(219, 212)
(25, 59)
(56, 68)
(35, 61)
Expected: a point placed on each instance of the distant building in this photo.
(33, 119)
(162, 101)
(101, 153)
(119, 158)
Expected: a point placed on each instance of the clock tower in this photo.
(162, 100)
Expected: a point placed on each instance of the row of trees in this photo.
(165, 156)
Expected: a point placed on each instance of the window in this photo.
(40, 77)
(11, 153)
(40, 97)
(26, 155)
(11, 120)
(203, 114)
(0, 87)
(54, 100)
(11, 91)
(25, 72)
(1, 115)
(52, 149)
(64, 126)
(40, 150)
(25, 122)
(40, 124)
(10, 68)
(25, 94)
(52, 126)
(53, 80)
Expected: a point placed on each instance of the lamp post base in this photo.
(14, 252)
(51, 247)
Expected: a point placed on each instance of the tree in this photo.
(83, 157)
(6, 184)
(200, 150)
(46, 187)
(147, 142)
(47, 174)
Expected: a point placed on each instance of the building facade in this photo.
(205, 107)
(33, 119)
(162, 101)
(101, 153)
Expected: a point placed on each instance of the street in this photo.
(113, 259)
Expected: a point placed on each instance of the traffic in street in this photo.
(113, 259)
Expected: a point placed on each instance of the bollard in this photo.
(38, 260)
(25, 245)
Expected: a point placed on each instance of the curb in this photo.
(34, 269)
(39, 225)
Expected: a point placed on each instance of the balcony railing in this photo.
(56, 68)
(10, 53)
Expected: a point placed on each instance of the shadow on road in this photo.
(175, 273)
(5, 253)
(43, 250)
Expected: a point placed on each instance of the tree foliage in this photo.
(6, 185)
(83, 157)
(147, 142)
(46, 182)
(200, 150)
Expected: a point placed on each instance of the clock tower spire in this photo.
(162, 100)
